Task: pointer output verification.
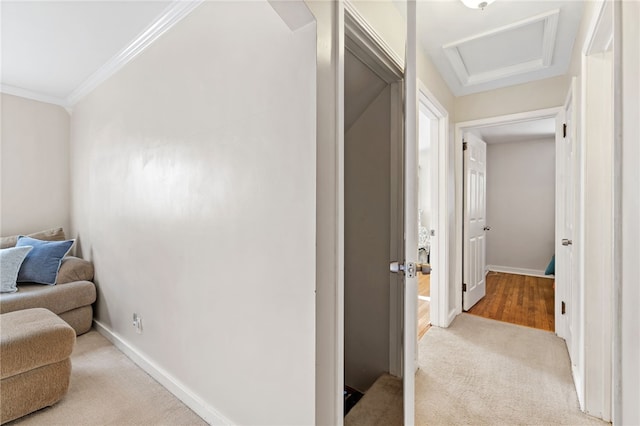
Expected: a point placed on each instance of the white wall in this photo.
(329, 220)
(521, 205)
(598, 234)
(630, 203)
(193, 173)
(34, 166)
(541, 94)
(425, 169)
(367, 242)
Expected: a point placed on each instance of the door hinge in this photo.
(464, 146)
(564, 308)
(464, 286)
(564, 130)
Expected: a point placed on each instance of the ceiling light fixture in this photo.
(477, 4)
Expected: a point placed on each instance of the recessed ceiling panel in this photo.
(502, 50)
(520, 47)
(509, 42)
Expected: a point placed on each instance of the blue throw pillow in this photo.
(10, 261)
(551, 267)
(43, 262)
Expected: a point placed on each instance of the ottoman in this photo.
(35, 346)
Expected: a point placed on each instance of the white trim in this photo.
(605, 25)
(28, 94)
(519, 117)
(453, 313)
(339, 203)
(167, 19)
(410, 331)
(173, 385)
(397, 229)
(353, 16)
(600, 32)
(519, 271)
(550, 23)
(460, 128)
(440, 292)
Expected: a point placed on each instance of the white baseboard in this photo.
(173, 385)
(518, 271)
(577, 380)
(452, 315)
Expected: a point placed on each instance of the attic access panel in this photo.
(513, 49)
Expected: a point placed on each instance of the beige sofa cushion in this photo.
(54, 234)
(35, 348)
(33, 338)
(74, 269)
(57, 298)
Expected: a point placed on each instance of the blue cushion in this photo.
(43, 262)
(10, 261)
(551, 267)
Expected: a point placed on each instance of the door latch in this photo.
(410, 269)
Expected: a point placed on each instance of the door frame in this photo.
(599, 363)
(440, 267)
(460, 129)
(365, 43)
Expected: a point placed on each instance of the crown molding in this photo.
(29, 94)
(173, 14)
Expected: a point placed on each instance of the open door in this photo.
(408, 267)
(410, 219)
(475, 223)
(565, 181)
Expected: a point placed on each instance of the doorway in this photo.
(520, 185)
(372, 217)
(433, 246)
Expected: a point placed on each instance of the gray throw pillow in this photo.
(10, 261)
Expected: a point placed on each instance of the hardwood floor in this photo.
(424, 306)
(518, 299)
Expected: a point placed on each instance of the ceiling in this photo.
(50, 48)
(56, 51)
(509, 42)
(523, 131)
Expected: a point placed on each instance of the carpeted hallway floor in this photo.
(107, 388)
(481, 372)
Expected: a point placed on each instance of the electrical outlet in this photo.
(137, 323)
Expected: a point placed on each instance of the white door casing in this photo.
(475, 184)
(438, 245)
(410, 217)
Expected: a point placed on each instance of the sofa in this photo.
(35, 348)
(71, 297)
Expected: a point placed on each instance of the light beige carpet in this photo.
(481, 372)
(107, 388)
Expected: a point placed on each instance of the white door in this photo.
(565, 232)
(475, 209)
(410, 218)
